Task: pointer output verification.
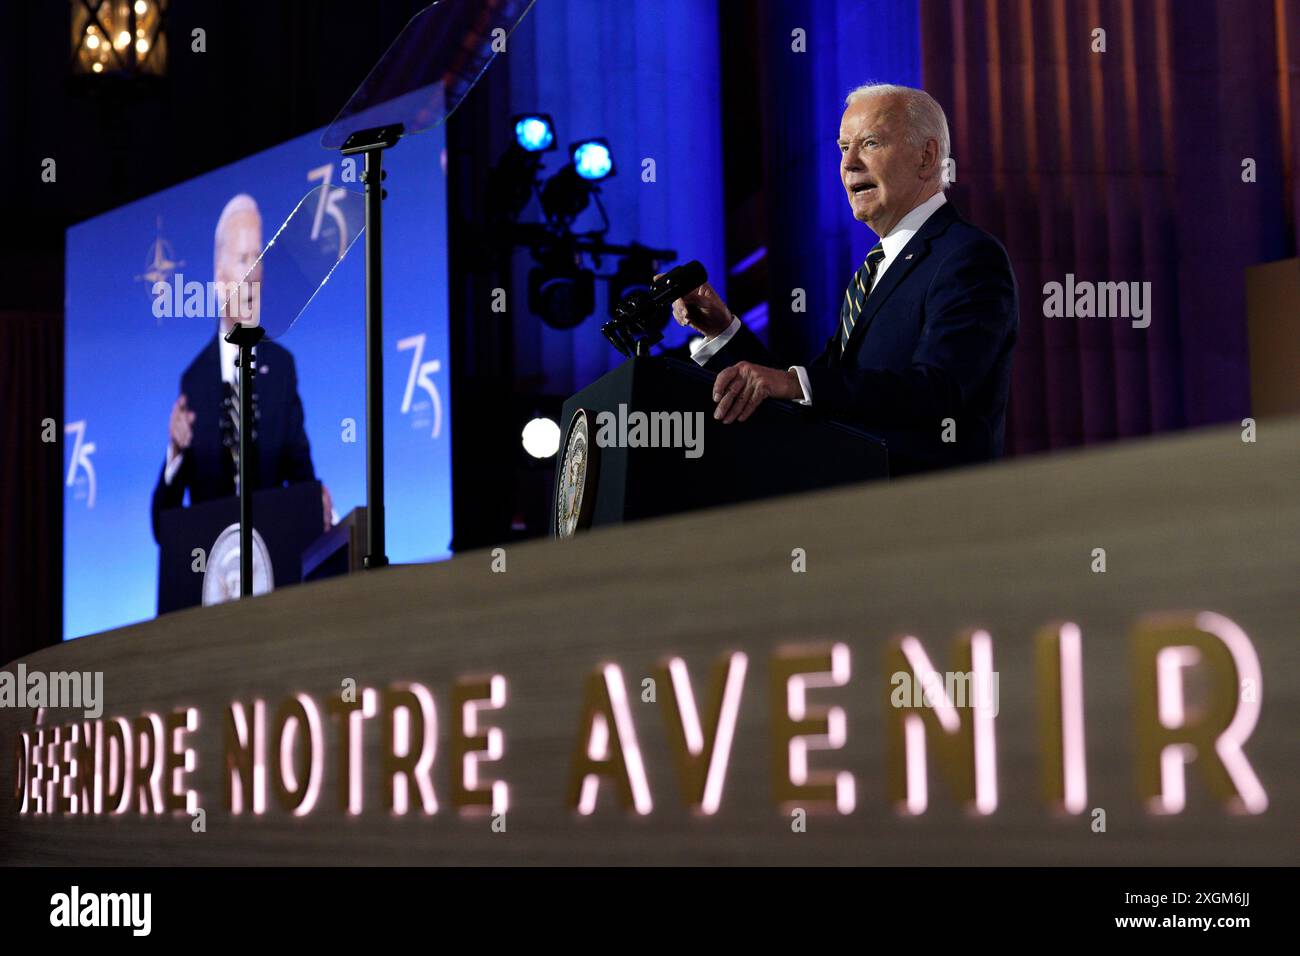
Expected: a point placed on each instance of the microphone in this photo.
(634, 315)
(673, 284)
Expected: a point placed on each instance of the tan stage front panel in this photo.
(1088, 658)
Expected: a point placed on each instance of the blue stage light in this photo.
(534, 132)
(592, 159)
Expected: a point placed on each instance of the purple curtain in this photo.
(1124, 165)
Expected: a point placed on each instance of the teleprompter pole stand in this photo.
(371, 143)
(245, 337)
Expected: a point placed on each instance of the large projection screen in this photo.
(124, 360)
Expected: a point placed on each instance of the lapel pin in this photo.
(909, 255)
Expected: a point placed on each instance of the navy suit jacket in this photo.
(934, 341)
(283, 452)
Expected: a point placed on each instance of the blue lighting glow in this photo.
(592, 159)
(534, 133)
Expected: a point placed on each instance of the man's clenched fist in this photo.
(703, 310)
(180, 429)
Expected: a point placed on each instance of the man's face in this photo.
(884, 177)
(237, 249)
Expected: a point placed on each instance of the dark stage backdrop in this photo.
(1124, 166)
(31, 481)
(810, 54)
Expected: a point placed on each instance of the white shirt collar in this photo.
(229, 352)
(908, 226)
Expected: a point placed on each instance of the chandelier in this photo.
(123, 37)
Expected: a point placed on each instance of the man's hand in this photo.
(701, 310)
(741, 388)
(180, 430)
(327, 505)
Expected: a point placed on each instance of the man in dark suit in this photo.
(203, 431)
(922, 350)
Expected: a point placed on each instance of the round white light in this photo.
(142, 46)
(140, 8)
(92, 41)
(541, 438)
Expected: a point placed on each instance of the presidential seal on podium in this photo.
(575, 487)
(221, 579)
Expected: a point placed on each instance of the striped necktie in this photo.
(231, 427)
(856, 294)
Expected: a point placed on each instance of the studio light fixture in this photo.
(568, 192)
(562, 283)
(560, 290)
(541, 437)
(534, 132)
(592, 159)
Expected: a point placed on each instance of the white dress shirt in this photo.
(228, 352)
(892, 244)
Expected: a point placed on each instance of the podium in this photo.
(783, 448)
(287, 519)
(1272, 303)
